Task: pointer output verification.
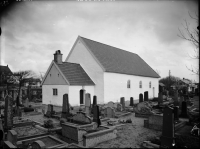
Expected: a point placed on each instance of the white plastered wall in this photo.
(83, 57)
(74, 94)
(49, 98)
(115, 86)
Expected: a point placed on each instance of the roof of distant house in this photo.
(119, 61)
(161, 84)
(75, 74)
(5, 70)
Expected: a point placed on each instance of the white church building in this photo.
(102, 70)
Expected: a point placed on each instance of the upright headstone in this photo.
(176, 115)
(167, 138)
(87, 104)
(82, 96)
(109, 112)
(111, 104)
(12, 137)
(65, 107)
(131, 101)
(26, 104)
(146, 96)
(184, 109)
(94, 103)
(96, 115)
(119, 107)
(49, 110)
(1, 131)
(122, 102)
(8, 113)
(160, 98)
(180, 101)
(140, 98)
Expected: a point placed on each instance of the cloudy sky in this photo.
(33, 31)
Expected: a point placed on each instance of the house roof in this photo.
(5, 70)
(119, 61)
(75, 74)
(161, 84)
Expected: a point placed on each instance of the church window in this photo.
(128, 84)
(150, 84)
(55, 91)
(140, 84)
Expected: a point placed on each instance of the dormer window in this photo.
(128, 84)
(140, 84)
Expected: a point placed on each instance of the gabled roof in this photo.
(75, 74)
(119, 61)
(5, 70)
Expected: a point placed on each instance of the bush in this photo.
(48, 124)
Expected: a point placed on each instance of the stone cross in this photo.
(87, 104)
(131, 101)
(109, 112)
(8, 113)
(140, 98)
(96, 115)
(94, 103)
(82, 96)
(122, 102)
(65, 107)
(146, 96)
(160, 98)
(167, 138)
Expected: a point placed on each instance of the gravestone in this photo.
(12, 137)
(81, 117)
(131, 101)
(122, 102)
(176, 115)
(26, 104)
(111, 104)
(50, 110)
(8, 113)
(119, 107)
(82, 96)
(140, 98)
(146, 96)
(167, 138)
(1, 131)
(176, 102)
(180, 101)
(160, 98)
(38, 145)
(96, 115)
(65, 107)
(109, 112)
(94, 103)
(87, 104)
(184, 109)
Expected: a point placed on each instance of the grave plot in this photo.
(81, 130)
(20, 122)
(26, 132)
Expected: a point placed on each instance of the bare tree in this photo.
(21, 76)
(191, 35)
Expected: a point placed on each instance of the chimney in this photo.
(58, 57)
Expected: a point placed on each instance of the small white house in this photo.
(99, 69)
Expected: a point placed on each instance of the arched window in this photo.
(140, 84)
(128, 84)
(150, 84)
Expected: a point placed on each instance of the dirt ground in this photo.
(131, 135)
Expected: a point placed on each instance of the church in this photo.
(98, 69)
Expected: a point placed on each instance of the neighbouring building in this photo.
(102, 70)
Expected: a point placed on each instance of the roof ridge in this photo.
(109, 45)
(71, 63)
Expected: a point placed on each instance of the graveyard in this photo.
(145, 123)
